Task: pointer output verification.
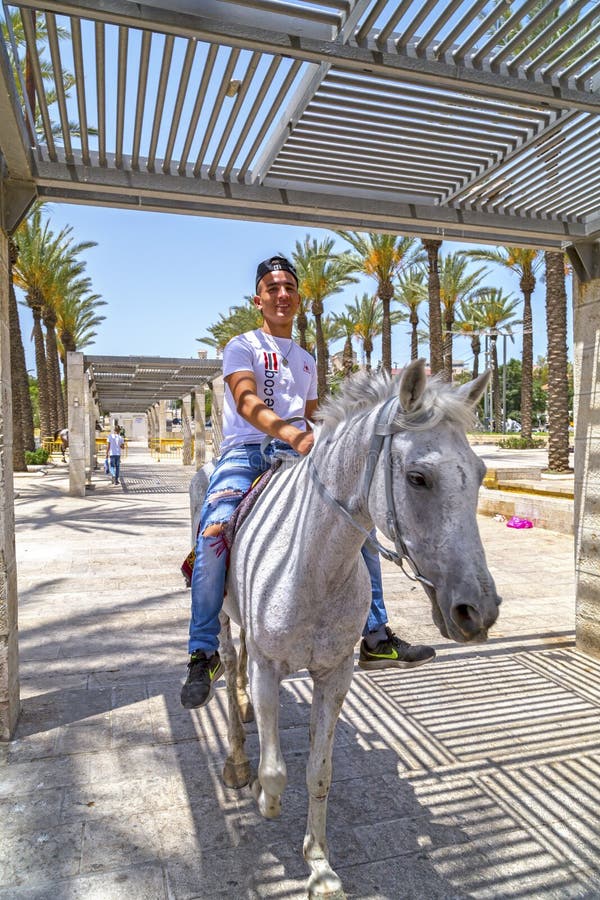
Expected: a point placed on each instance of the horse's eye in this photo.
(416, 479)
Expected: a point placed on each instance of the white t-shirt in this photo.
(283, 388)
(115, 442)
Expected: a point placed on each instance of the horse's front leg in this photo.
(272, 775)
(236, 772)
(328, 696)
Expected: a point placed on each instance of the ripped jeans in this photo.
(233, 475)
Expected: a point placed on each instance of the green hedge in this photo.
(521, 443)
(36, 457)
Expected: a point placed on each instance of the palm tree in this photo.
(382, 257)
(524, 263)
(321, 273)
(469, 324)
(301, 324)
(45, 267)
(238, 320)
(410, 293)
(436, 355)
(558, 385)
(22, 61)
(76, 320)
(456, 286)
(23, 433)
(346, 322)
(30, 273)
(64, 277)
(369, 323)
(496, 314)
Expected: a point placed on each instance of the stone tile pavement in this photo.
(476, 776)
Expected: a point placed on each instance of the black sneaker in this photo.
(203, 671)
(394, 653)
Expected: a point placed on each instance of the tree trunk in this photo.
(42, 373)
(414, 337)
(347, 357)
(448, 336)
(436, 361)
(23, 438)
(476, 348)
(317, 309)
(558, 383)
(527, 286)
(496, 399)
(18, 450)
(302, 324)
(368, 347)
(385, 293)
(53, 371)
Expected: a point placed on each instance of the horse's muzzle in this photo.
(465, 622)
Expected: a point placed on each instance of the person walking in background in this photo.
(114, 445)
(63, 437)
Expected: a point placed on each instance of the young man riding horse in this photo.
(269, 378)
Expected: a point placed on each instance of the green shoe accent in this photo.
(394, 653)
(203, 671)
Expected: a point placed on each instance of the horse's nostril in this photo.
(466, 618)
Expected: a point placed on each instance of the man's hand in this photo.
(303, 444)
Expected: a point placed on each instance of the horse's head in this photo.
(435, 481)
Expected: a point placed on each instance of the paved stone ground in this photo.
(476, 776)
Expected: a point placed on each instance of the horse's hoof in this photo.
(323, 883)
(236, 775)
(268, 807)
(247, 713)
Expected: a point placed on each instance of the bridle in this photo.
(381, 443)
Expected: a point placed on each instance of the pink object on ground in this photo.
(516, 522)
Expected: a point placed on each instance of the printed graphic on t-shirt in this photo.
(271, 361)
(271, 368)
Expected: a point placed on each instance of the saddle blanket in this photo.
(237, 519)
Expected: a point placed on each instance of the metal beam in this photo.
(14, 142)
(369, 57)
(135, 383)
(585, 259)
(16, 199)
(297, 204)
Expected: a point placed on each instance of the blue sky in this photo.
(166, 278)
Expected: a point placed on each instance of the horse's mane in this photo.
(364, 390)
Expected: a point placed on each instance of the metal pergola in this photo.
(135, 383)
(462, 119)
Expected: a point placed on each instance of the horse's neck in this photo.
(340, 461)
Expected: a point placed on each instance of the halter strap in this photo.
(385, 428)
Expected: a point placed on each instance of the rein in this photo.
(381, 442)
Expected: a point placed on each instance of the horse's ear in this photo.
(472, 391)
(412, 384)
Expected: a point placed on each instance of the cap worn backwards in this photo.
(274, 264)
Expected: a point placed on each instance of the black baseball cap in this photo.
(274, 264)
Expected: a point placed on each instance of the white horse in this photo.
(389, 456)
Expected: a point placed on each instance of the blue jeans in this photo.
(115, 466)
(377, 613)
(232, 477)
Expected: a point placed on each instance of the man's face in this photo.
(277, 297)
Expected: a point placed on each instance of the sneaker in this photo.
(203, 671)
(394, 653)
